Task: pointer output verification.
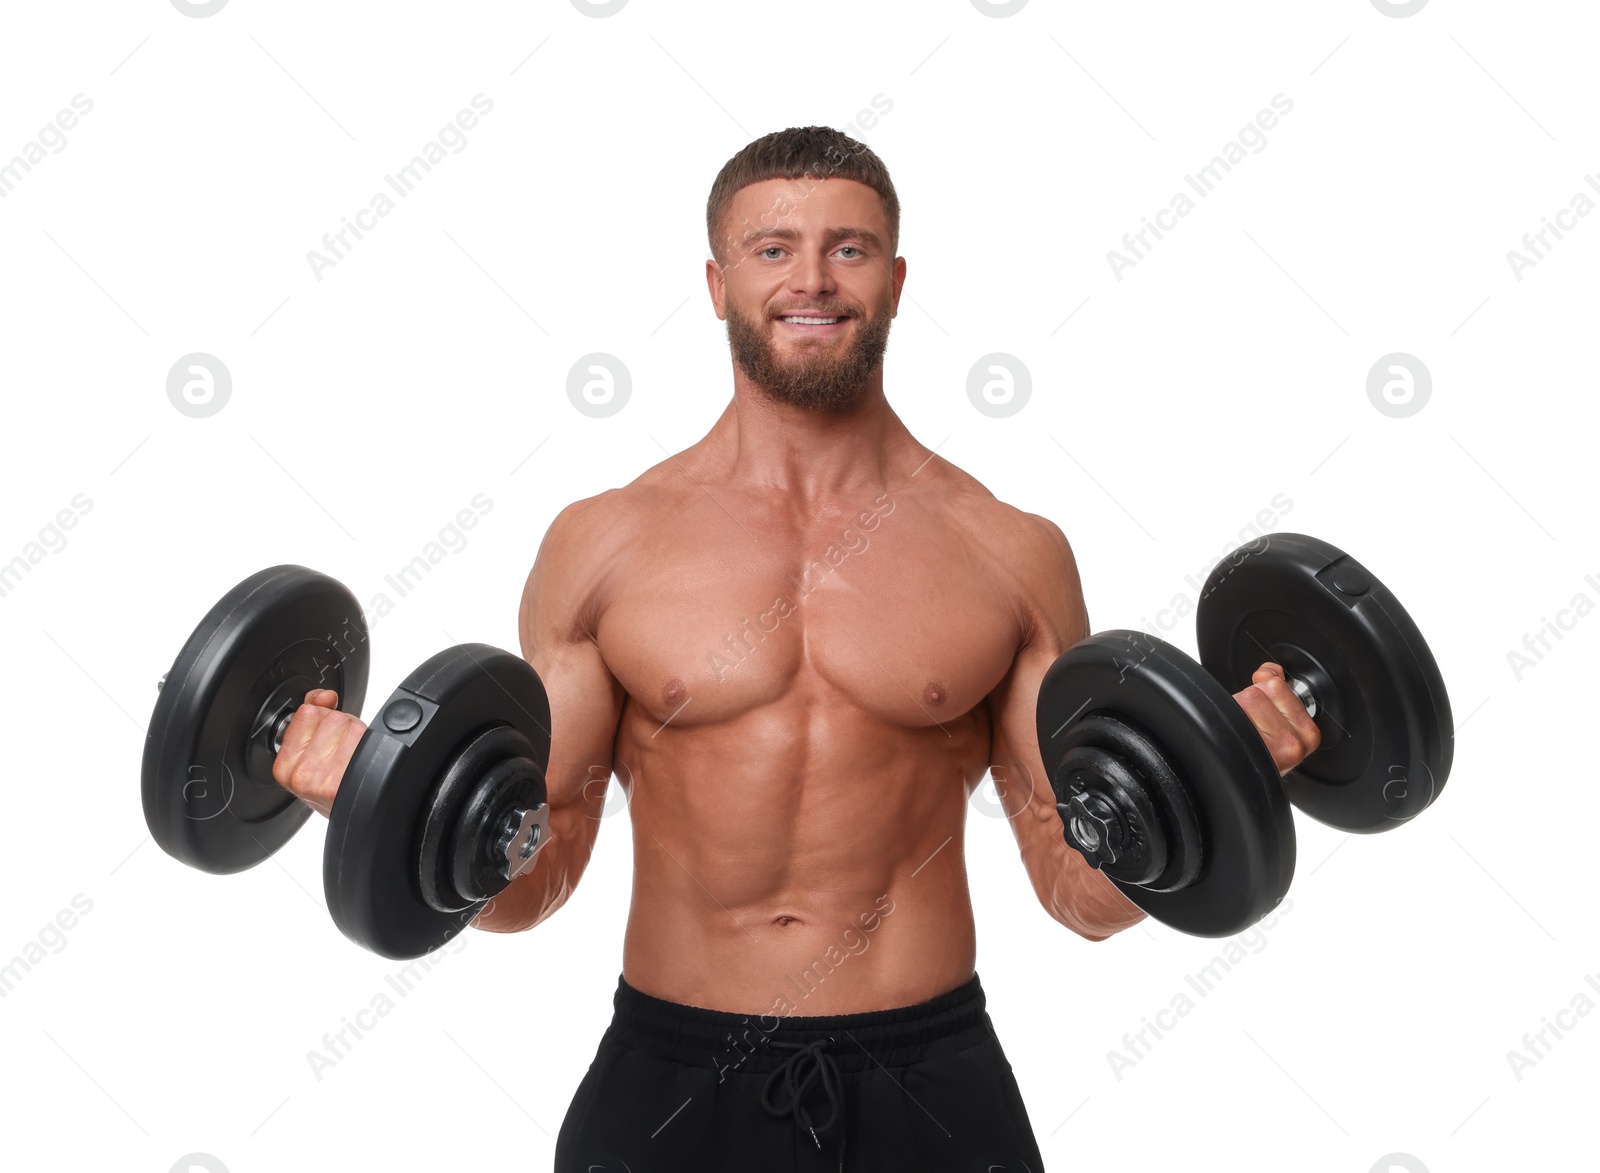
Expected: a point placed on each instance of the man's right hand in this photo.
(316, 749)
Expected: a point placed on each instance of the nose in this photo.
(811, 278)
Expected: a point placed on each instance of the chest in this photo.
(885, 609)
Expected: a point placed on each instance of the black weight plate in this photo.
(373, 853)
(1168, 795)
(478, 869)
(1388, 736)
(206, 782)
(1246, 832)
(483, 749)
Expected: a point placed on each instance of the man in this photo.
(799, 644)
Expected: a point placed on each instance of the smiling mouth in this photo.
(814, 323)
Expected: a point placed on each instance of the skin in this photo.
(797, 776)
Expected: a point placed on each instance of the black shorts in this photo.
(924, 1088)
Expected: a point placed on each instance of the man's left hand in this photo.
(1279, 716)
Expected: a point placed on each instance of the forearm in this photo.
(1080, 897)
(533, 897)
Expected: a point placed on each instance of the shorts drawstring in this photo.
(809, 1063)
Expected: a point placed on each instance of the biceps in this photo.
(585, 706)
(1018, 770)
(1026, 797)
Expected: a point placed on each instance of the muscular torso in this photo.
(804, 720)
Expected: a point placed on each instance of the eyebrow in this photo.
(829, 236)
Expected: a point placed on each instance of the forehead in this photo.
(804, 203)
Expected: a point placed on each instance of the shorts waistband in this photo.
(903, 1034)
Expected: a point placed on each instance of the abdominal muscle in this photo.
(799, 862)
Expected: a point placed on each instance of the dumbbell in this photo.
(1166, 787)
(442, 806)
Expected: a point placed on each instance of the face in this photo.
(797, 251)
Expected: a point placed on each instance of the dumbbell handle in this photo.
(1091, 829)
(278, 730)
(1303, 691)
(522, 835)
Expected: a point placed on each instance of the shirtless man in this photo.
(800, 644)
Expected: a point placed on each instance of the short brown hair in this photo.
(818, 152)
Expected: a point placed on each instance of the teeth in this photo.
(812, 321)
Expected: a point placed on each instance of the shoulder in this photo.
(594, 529)
(1028, 542)
(1036, 561)
(582, 554)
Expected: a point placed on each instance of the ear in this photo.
(717, 286)
(899, 284)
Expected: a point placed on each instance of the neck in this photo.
(808, 455)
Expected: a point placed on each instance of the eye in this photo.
(771, 248)
(851, 248)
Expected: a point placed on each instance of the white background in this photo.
(1228, 366)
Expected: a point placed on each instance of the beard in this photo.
(819, 375)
